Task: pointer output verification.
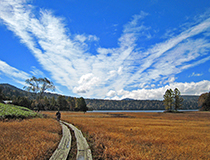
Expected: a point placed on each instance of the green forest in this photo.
(48, 101)
(55, 101)
(189, 102)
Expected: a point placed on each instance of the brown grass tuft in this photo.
(29, 139)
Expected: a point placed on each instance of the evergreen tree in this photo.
(22, 101)
(81, 105)
(168, 99)
(1, 95)
(71, 103)
(62, 103)
(53, 104)
(46, 103)
(177, 99)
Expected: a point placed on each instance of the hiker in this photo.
(58, 115)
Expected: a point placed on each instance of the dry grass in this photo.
(136, 136)
(29, 139)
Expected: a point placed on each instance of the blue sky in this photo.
(107, 49)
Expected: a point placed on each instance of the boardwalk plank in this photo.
(61, 153)
(83, 149)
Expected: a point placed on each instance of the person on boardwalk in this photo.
(58, 115)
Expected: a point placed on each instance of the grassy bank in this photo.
(145, 135)
(8, 111)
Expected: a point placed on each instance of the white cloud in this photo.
(152, 85)
(93, 38)
(125, 67)
(111, 93)
(142, 85)
(133, 26)
(83, 38)
(170, 80)
(195, 74)
(191, 88)
(86, 83)
(80, 38)
(13, 72)
(36, 72)
(120, 70)
(85, 78)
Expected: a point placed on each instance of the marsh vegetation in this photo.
(145, 135)
(110, 135)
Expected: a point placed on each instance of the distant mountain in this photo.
(195, 97)
(10, 91)
(190, 101)
(128, 99)
(6, 85)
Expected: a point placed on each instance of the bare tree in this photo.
(39, 86)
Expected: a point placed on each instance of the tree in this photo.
(53, 103)
(39, 86)
(202, 98)
(206, 103)
(1, 95)
(22, 101)
(81, 105)
(71, 103)
(46, 103)
(177, 99)
(168, 99)
(62, 103)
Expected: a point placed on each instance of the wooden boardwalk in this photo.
(83, 149)
(61, 153)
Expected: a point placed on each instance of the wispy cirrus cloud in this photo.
(123, 71)
(195, 74)
(12, 72)
(36, 72)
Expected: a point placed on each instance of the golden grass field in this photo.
(135, 136)
(29, 139)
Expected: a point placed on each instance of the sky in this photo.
(107, 49)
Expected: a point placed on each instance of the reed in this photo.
(29, 139)
(136, 136)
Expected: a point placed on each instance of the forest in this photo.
(28, 99)
(49, 101)
(189, 102)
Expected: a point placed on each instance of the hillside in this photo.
(10, 91)
(190, 102)
(12, 111)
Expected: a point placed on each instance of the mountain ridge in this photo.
(190, 101)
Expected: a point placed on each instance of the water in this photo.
(147, 111)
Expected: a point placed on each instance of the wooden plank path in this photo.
(83, 149)
(61, 153)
